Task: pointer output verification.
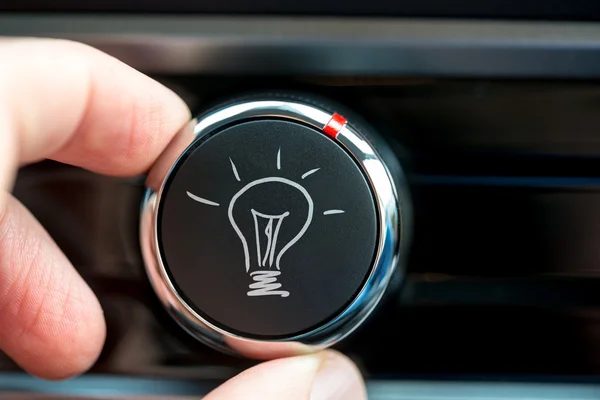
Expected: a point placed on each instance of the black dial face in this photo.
(267, 229)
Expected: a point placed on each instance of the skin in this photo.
(68, 102)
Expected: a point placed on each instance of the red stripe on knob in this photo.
(335, 125)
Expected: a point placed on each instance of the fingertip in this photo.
(84, 107)
(338, 378)
(129, 120)
(286, 378)
(326, 375)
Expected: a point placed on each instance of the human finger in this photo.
(322, 376)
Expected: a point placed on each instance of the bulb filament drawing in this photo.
(267, 227)
(265, 257)
(266, 284)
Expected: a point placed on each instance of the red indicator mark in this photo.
(335, 125)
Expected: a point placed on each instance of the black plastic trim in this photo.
(507, 9)
(122, 387)
(329, 46)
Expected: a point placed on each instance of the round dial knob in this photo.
(272, 223)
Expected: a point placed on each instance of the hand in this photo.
(71, 103)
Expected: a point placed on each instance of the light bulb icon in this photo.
(263, 243)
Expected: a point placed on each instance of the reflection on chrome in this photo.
(301, 112)
(379, 175)
(358, 142)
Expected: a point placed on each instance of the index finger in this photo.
(70, 102)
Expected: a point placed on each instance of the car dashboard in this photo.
(495, 121)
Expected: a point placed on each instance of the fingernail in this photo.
(337, 379)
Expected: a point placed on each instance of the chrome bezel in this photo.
(390, 224)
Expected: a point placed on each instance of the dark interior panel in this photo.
(440, 117)
(506, 9)
(502, 274)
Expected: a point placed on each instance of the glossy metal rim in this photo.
(389, 235)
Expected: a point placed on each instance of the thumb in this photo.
(323, 376)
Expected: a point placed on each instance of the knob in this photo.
(272, 225)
